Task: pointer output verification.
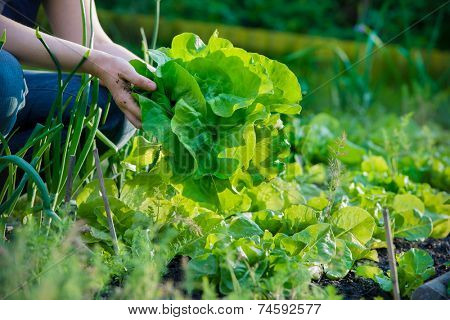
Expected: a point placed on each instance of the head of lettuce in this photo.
(216, 113)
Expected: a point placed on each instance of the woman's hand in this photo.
(118, 75)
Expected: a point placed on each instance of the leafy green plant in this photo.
(414, 267)
(217, 112)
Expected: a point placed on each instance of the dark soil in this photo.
(176, 274)
(353, 287)
(175, 270)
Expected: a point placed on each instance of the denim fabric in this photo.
(42, 91)
(12, 91)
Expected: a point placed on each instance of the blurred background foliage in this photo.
(333, 46)
(335, 18)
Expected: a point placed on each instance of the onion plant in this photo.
(46, 146)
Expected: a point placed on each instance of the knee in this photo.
(12, 90)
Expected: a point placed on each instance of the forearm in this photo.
(114, 49)
(23, 43)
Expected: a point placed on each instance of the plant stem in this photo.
(156, 26)
(101, 181)
(144, 46)
(391, 255)
(70, 179)
(31, 172)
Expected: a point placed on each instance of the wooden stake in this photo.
(112, 230)
(391, 255)
(69, 186)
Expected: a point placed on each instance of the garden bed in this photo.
(353, 287)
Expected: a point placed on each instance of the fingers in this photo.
(134, 121)
(129, 107)
(139, 81)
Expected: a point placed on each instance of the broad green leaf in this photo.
(359, 250)
(241, 227)
(146, 192)
(385, 282)
(142, 153)
(291, 109)
(204, 265)
(441, 224)
(414, 267)
(318, 203)
(370, 255)
(375, 274)
(318, 243)
(412, 225)
(355, 221)
(293, 171)
(285, 84)
(94, 236)
(275, 195)
(159, 56)
(350, 153)
(297, 218)
(407, 202)
(268, 220)
(374, 164)
(92, 191)
(291, 246)
(220, 78)
(187, 46)
(368, 271)
(180, 84)
(251, 251)
(208, 222)
(232, 202)
(94, 213)
(340, 263)
(142, 68)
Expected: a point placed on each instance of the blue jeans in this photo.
(21, 111)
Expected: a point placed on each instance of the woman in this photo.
(26, 97)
